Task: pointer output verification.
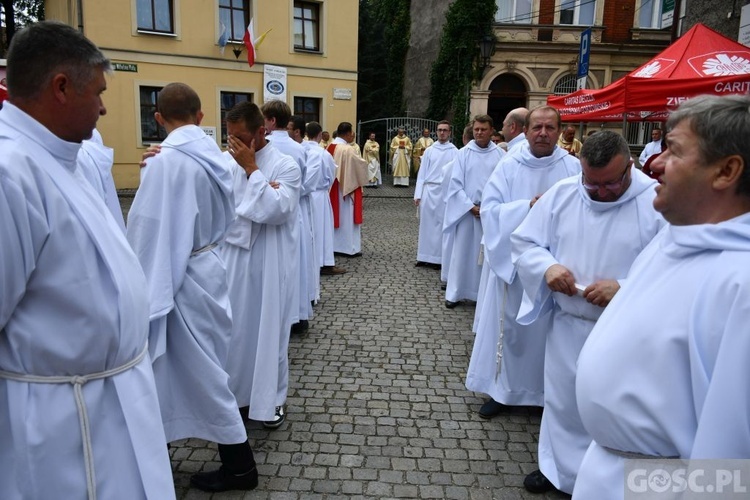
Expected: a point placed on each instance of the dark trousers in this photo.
(237, 458)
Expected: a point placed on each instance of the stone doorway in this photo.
(507, 92)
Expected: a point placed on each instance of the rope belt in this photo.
(636, 456)
(201, 250)
(499, 353)
(83, 418)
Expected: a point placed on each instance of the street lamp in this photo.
(486, 49)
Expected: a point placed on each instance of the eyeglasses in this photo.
(609, 186)
(443, 130)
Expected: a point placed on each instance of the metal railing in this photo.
(387, 128)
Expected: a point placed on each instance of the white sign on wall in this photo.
(274, 83)
(744, 37)
(210, 131)
(342, 94)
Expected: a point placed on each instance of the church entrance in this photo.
(507, 92)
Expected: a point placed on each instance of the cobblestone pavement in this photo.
(377, 405)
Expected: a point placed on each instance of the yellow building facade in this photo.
(308, 58)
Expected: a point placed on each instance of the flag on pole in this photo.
(252, 43)
(223, 38)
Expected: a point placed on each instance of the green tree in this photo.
(383, 42)
(15, 15)
(456, 66)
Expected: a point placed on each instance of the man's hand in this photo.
(274, 184)
(601, 292)
(416, 203)
(560, 279)
(243, 154)
(151, 151)
(475, 211)
(534, 200)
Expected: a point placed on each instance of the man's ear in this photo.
(61, 87)
(199, 117)
(728, 172)
(159, 119)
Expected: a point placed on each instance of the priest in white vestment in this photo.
(180, 213)
(346, 193)
(572, 252)
(664, 373)
(428, 196)
(320, 199)
(513, 129)
(446, 247)
(507, 360)
(96, 159)
(276, 116)
(259, 250)
(79, 414)
(472, 167)
(652, 148)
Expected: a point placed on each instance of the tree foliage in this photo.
(15, 15)
(456, 66)
(384, 27)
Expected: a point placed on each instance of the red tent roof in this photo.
(702, 61)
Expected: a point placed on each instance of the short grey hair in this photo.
(722, 125)
(40, 51)
(600, 148)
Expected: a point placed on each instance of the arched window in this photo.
(569, 83)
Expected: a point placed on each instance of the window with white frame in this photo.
(308, 108)
(228, 101)
(513, 11)
(649, 14)
(151, 131)
(155, 15)
(307, 26)
(234, 16)
(577, 12)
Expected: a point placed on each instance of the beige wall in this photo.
(192, 56)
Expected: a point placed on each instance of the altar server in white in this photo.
(664, 372)
(448, 233)
(276, 116)
(79, 414)
(180, 214)
(572, 252)
(507, 360)
(472, 167)
(259, 250)
(428, 196)
(320, 199)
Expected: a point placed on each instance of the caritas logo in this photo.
(721, 63)
(654, 68)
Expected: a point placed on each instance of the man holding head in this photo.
(507, 361)
(80, 413)
(180, 213)
(346, 193)
(260, 251)
(428, 196)
(473, 166)
(670, 379)
(572, 252)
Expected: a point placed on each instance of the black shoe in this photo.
(277, 420)
(221, 480)
(450, 305)
(300, 328)
(536, 482)
(443, 286)
(491, 409)
(420, 264)
(436, 267)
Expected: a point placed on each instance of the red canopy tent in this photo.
(702, 61)
(3, 93)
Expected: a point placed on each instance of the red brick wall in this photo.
(618, 20)
(547, 12)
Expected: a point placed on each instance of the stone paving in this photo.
(377, 405)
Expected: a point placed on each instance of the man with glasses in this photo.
(571, 252)
(428, 197)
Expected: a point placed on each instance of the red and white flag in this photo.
(252, 43)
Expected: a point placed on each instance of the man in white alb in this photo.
(652, 148)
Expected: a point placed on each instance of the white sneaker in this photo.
(277, 420)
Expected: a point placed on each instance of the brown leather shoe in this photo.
(331, 270)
